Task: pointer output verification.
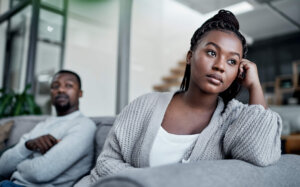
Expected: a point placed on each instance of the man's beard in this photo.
(62, 107)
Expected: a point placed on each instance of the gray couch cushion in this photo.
(211, 173)
(290, 118)
(104, 125)
(101, 135)
(22, 125)
(105, 120)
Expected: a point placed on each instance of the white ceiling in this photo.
(260, 23)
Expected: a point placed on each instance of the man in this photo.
(59, 150)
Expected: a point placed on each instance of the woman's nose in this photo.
(219, 65)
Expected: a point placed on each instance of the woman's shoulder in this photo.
(144, 102)
(150, 95)
(234, 105)
(137, 111)
(150, 98)
(233, 108)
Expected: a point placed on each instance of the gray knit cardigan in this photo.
(246, 132)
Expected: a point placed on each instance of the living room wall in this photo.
(158, 41)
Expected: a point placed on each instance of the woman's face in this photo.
(215, 61)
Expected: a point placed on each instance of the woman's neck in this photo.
(195, 98)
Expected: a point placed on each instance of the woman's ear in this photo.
(189, 56)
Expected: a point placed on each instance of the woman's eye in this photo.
(211, 53)
(232, 61)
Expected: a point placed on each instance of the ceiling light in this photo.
(50, 29)
(236, 9)
(240, 8)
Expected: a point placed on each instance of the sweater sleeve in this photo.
(116, 154)
(254, 135)
(109, 162)
(12, 157)
(60, 157)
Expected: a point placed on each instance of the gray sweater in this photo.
(63, 164)
(250, 133)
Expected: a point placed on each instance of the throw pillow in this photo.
(4, 132)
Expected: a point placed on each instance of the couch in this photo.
(290, 118)
(205, 173)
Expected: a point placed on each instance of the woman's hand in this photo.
(248, 76)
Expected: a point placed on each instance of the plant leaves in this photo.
(14, 104)
(6, 100)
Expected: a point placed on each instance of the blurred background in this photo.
(125, 48)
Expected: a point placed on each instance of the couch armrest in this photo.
(211, 173)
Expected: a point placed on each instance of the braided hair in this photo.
(224, 21)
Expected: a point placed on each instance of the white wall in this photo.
(160, 36)
(161, 32)
(91, 51)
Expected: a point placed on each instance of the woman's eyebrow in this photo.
(237, 54)
(212, 43)
(219, 48)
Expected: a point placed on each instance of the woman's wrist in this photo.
(255, 87)
(256, 95)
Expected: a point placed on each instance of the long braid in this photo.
(224, 21)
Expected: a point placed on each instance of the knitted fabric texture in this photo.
(245, 132)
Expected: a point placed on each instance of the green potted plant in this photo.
(15, 104)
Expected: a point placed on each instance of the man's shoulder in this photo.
(81, 123)
(84, 119)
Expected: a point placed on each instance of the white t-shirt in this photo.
(169, 148)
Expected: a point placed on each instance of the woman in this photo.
(202, 121)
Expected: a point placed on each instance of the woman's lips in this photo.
(215, 79)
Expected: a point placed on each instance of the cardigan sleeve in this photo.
(254, 135)
(116, 155)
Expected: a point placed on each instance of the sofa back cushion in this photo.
(104, 126)
(23, 124)
(5, 130)
(290, 118)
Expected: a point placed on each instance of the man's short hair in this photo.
(72, 73)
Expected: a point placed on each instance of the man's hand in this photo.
(41, 144)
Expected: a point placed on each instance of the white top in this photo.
(169, 148)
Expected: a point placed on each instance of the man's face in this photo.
(65, 93)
